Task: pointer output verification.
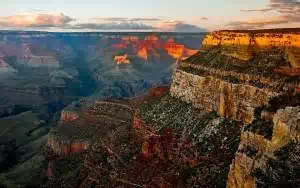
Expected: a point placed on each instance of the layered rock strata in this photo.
(226, 78)
(244, 44)
(255, 150)
(251, 77)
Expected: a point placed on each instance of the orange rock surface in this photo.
(143, 53)
(151, 45)
(122, 59)
(242, 45)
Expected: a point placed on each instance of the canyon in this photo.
(152, 46)
(229, 119)
(45, 75)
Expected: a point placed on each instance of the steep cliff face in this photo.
(243, 45)
(236, 101)
(252, 77)
(231, 108)
(255, 150)
(238, 72)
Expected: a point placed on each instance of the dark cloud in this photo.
(183, 27)
(288, 11)
(111, 19)
(112, 26)
(284, 4)
(145, 19)
(179, 26)
(257, 10)
(124, 19)
(204, 18)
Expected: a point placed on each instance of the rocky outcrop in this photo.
(122, 59)
(243, 45)
(77, 130)
(251, 77)
(152, 46)
(236, 101)
(286, 127)
(178, 51)
(67, 116)
(236, 73)
(63, 148)
(255, 150)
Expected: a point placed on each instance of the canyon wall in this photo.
(255, 150)
(236, 101)
(251, 77)
(243, 45)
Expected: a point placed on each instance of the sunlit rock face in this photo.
(251, 77)
(178, 51)
(153, 46)
(142, 53)
(237, 72)
(243, 45)
(122, 59)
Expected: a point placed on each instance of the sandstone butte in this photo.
(236, 75)
(151, 44)
(122, 59)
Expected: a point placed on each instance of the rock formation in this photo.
(244, 44)
(77, 130)
(230, 85)
(255, 150)
(250, 77)
(151, 45)
(122, 59)
(232, 108)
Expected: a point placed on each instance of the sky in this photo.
(148, 15)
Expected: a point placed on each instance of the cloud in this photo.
(35, 20)
(286, 11)
(46, 21)
(204, 18)
(124, 19)
(257, 10)
(112, 26)
(145, 19)
(167, 26)
(111, 19)
(179, 26)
